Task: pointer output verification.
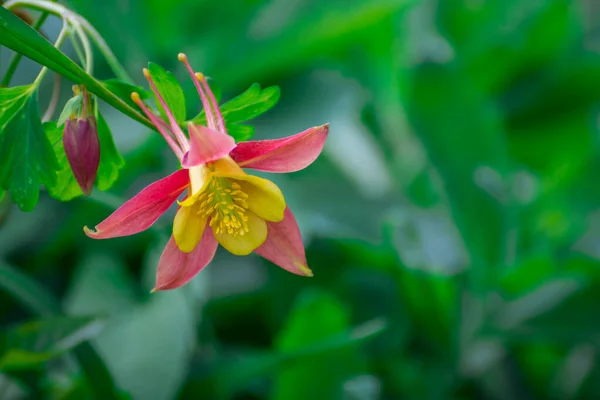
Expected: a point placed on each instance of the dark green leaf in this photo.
(231, 375)
(27, 157)
(123, 90)
(465, 143)
(34, 343)
(170, 90)
(70, 109)
(315, 317)
(20, 37)
(40, 302)
(110, 159)
(66, 187)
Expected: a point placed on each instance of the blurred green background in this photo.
(452, 222)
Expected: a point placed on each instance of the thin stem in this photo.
(53, 100)
(78, 49)
(16, 58)
(118, 69)
(67, 14)
(87, 49)
(59, 41)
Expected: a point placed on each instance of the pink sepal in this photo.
(142, 210)
(289, 154)
(176, 268)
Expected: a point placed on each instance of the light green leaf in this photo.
(170, 90)
(250, 104)
(110, 159)
(11, 101)
(66, 187)
(240, 132)
(71, 108)
(34, 343)
(27, 156)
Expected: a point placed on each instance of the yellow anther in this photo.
(236, 186)
(182, 57)
(135, 96)
(199, 76)
(146, 73)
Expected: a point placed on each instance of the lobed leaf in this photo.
(27, 156)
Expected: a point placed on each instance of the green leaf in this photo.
(110, 159)
(40, 302)
(250, 104)
(123, 90)
(240, 132)
(71, 108)
(20, 37)
(460, 157)
(66, 187)
(35, 343)
(222, 380)
(11, 101)
(170, 90)
(27, 156)
(316, 316)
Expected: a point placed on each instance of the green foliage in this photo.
(452, 223)
(170, 90)
(110, 159)
(316, 316)
(20, 37)
(27, 156)
(66, 187)
(123, 91)
(248, 105)
(33, 344)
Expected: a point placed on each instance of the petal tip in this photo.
(304, 270)
(89, 232)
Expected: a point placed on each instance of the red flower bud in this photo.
(82, 147)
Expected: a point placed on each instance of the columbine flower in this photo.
(82, 146)
(224, 205)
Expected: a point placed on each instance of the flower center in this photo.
(225, 204)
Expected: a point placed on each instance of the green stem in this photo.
(16, 58)
(76, 19)
(59, 41)
(87, 49)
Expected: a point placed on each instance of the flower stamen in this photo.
(225, 208)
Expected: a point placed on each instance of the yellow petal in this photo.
(226, 167)
(264, 197)
(244, 245)
(188, 228)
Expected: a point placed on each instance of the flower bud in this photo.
(82, 147)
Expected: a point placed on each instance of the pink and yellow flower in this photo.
(223, 205)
